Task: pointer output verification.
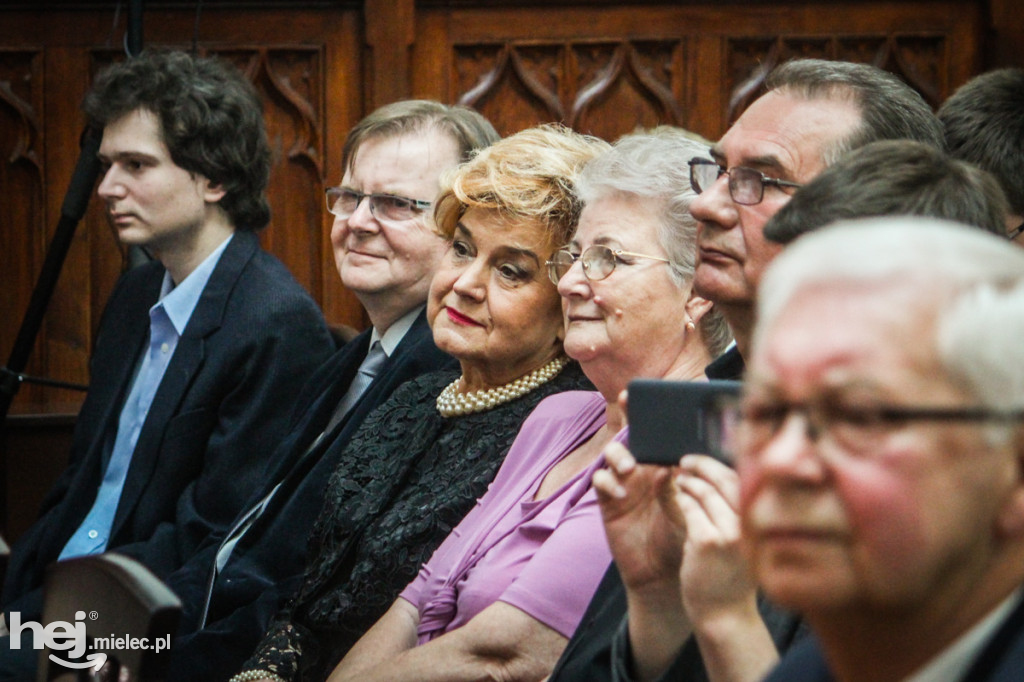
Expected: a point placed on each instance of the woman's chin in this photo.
(583, 350)
(451, 343)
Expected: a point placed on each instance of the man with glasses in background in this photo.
(812, 113)
(386, 253)
(881, 452)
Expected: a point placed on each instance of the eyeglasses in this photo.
(746, 185)
(343, 202)
(1017, 231)
(598, 262)
(749, 426)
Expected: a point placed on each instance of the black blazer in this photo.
(265, 567)
(254, 338)
(1001, 659)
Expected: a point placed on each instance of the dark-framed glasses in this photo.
(1015, 232)
(598, 262)
(343, 202)
(746, 185)
(749, 426)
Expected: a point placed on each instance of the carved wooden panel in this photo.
(642, 78)
(290, 80)
(920, 60)
(572, 83)
(21, 180)
(611, 69)
(602, 67)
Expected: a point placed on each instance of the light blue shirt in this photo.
(167, 320)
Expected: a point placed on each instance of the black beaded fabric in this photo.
(405, 481)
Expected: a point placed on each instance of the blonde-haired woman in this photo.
(504, 592)
(421, 460)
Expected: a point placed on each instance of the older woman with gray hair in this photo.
(506, 589)
(673, 531)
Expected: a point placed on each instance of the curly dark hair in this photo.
(210, 116)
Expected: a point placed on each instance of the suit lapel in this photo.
(123, 333)
(334, 380)
(186, 363)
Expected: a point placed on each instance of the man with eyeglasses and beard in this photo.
(812, 112)
(386, 254)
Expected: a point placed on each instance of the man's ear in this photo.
(697, 307)
(213, 192)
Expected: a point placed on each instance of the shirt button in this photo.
(93, 535)
(164, 348)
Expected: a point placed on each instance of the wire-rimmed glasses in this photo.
(746, 185)
(598, 262)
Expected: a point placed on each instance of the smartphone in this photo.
(669, 419)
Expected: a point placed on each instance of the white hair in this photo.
(653, 166)
(972, 280)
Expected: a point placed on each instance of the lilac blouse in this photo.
(545, 557)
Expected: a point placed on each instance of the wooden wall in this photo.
(601, 67)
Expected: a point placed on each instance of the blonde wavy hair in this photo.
(528, 177)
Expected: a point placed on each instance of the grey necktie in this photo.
(360, 382)
(369, 369)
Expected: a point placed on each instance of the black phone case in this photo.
(669, 419)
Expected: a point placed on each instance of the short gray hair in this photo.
(465, 126)
(889, 108)
(972, 280)
(652, 165)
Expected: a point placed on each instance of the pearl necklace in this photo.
(451, 403)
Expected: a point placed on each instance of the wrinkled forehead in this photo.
(787, 134)
(423, 145)
(619, 220)
(410, 164)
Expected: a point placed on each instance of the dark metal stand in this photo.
(76, 201)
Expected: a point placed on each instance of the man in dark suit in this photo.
(881, 450)
(386, 253)
(196, 348)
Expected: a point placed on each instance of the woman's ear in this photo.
(697, 307)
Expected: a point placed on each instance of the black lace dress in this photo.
(406, 479)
